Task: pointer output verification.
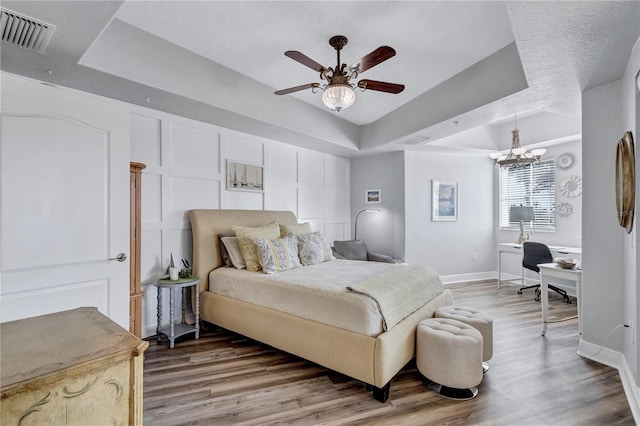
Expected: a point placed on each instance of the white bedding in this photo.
(295, 292)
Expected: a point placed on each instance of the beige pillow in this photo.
(295, 229)
(247, 234)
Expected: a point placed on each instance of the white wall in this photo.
(449, 247)
(603, 240)
(382, 232)
(186, 163)
(631, 121)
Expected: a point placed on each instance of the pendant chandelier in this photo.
(517, 155)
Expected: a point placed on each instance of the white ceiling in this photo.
(251, 38)
(474, 63)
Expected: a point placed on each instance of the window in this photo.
(529, 185)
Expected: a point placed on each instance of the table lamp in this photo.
(521, 214)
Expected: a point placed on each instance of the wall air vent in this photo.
(23, 31)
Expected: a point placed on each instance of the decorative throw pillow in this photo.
(224, 253)
(295, 229)
(313, 248)
(246, 236)
(351, 249)
(278, 255)
(233, 249)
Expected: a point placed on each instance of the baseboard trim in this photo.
(476, 276)
(630, 389)
(615, 360)
(604, 356)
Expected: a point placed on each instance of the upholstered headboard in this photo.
(206, 225)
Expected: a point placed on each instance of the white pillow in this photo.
(278, 255)
(233, 248)
(313, 248)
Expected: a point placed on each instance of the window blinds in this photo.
(529, 185)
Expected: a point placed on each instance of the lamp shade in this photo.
(518, 213)
(338, 96)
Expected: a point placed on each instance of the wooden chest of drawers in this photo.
(72, 367)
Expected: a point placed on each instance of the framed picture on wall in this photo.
(244, 177)
(372, 196)
(444, 200)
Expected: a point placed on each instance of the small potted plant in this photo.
(185, 271)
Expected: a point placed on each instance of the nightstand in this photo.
(182, 328)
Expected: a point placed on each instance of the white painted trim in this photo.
(476, 276)
(630, 389)
(615, 360)
(605, 356)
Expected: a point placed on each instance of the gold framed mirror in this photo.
(626, 181)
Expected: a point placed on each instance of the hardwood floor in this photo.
(224, 378)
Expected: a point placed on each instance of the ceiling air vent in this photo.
(416, 140)
(23, 31)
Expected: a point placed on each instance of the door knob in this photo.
(121, 257)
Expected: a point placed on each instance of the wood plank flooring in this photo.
(225, 379)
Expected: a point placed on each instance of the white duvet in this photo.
(317, 292)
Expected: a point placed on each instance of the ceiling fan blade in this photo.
(381, 86)
(304, 60)
(297, 88)
(381, 54)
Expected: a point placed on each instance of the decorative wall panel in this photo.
(194, 149)
(145, 139)
(192, 176)
(190, 193)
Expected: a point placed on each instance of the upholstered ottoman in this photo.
(449, 355)
(481, 321)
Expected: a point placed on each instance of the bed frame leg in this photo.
(381, 394)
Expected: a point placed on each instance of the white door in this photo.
(64, 202)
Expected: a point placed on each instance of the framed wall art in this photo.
(444, 200)
(372, 196)
(244, 177)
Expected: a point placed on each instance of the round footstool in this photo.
(449, 355)
(481, 321)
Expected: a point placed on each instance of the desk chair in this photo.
(535, 254)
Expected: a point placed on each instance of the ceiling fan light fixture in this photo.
(338, 96)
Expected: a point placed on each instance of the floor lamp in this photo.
(521, 214)
(355, 237)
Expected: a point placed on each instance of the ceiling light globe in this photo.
(538, 152)
(338, 97)
(495, 155)
(519, 151)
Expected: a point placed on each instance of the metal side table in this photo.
(182, 328)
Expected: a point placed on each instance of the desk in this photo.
(512, 248)
(548, 270)
(182, 328)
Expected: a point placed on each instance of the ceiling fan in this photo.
(338, 92)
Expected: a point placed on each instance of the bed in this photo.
(373, 358)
